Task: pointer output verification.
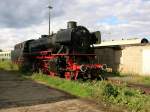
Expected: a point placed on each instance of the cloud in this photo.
(116, 19)
(24, 13)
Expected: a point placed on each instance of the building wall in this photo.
(5, 55)
(128, 59)
(131, 60)
(146, 60)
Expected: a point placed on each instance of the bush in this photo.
(133, 99)
(109, 90)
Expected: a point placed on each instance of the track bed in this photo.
(119, 80)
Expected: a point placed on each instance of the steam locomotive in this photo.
(69, 53)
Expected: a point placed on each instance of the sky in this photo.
(21, 20)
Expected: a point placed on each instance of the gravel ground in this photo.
(19, 95)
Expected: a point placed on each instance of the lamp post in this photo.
(49, 18)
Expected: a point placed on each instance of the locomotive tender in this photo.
(69, 53)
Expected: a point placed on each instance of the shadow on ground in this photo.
(16, 91)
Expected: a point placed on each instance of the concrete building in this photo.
(126, 56)
(5, 55)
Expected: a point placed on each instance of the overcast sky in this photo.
(116, 19)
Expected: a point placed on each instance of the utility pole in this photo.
(50, 7)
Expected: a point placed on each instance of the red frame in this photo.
(72, 68)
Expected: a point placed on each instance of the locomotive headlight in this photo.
(83, 68)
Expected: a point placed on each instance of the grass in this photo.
(7, 65)
(73, 87)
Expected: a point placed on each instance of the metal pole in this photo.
(49, 18)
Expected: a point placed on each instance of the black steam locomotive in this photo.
(69, 53)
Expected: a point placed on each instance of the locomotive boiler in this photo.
(69, 53)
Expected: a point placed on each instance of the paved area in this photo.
(19, 95)
(75, 105)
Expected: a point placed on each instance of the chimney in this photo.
(71, 24)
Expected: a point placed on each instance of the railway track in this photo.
(145, 89)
